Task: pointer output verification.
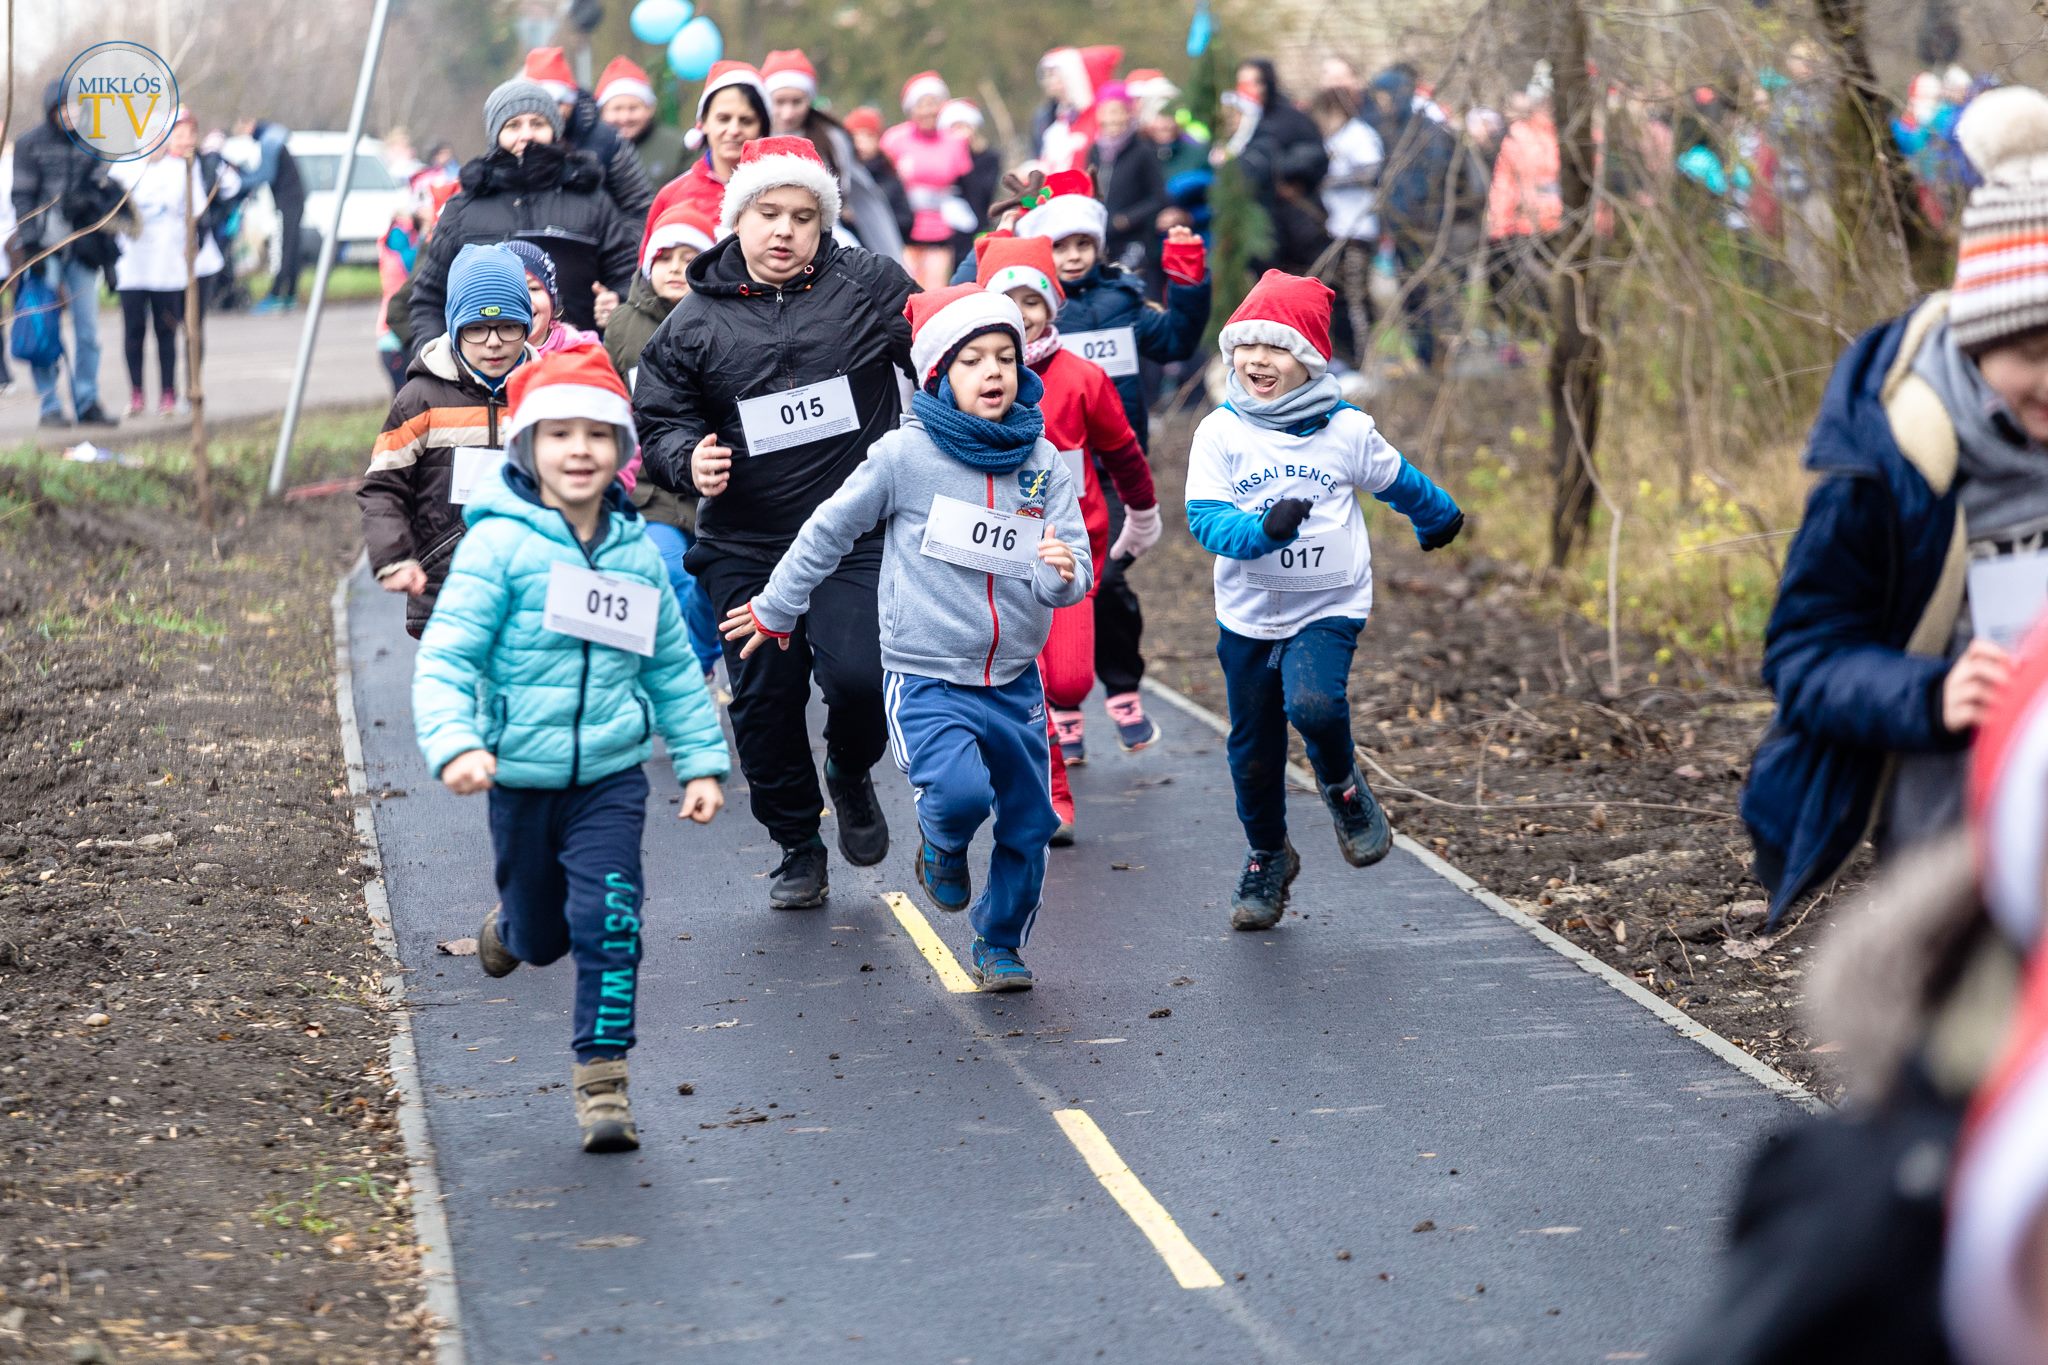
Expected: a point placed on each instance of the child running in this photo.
(1273, 479)
(973, 568)
(556, 654)
(1086, 423)
(544, 293)
(443, 428)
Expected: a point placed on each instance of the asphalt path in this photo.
(1395, 1128)
(248, 372)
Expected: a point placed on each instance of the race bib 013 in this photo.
(981, 538)
(1115, 350)
(598, 607)
(795, 417)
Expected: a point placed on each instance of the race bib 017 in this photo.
(981, 538)
(1311, 564)
(795, 417)
(473, 464)
(598, 607)
(1115, 350)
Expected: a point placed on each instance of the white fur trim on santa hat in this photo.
(751, 179)
(791, 79)
(1025, 277)
(958, 320)
(930, 83)
(625, 85)
(1064, 215)
(669, 235)
(1265, 332)
(553, 402)
(740, 75)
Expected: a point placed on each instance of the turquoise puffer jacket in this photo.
(556, 711)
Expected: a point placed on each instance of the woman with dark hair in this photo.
(1284, 162)
(1128, 178)
(732, 111)
(869, 217)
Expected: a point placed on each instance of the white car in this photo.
(374, 196)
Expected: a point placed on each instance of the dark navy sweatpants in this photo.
(1270, 685)
(969, 751)
(569, 882)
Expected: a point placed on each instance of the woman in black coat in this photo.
(1128, 179)
(778, 311)
(1284, 162)
(530, 187)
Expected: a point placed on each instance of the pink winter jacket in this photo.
(929, 165)
(1525, 200)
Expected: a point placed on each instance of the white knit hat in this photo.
(922, 84)
(2001, 287)
(772, 162)
(1072, 209)
(942, 319)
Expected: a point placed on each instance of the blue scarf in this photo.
(992, 447)
(1302, 411)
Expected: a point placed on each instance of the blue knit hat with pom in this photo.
(487, 284)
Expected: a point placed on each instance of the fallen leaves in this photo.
(457, 947)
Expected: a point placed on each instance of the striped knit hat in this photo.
(2001, 287)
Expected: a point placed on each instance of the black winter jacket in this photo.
(731, 338)
(1285, 163)
(550, 197)
(625, 179)
(58, 185)
(1134, 192)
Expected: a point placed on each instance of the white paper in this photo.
(1077, 465)
(1114, 349)
(472, 465)
(795, 417)
(1310, 564)
(981, 538)
(601, 608)
(2007, 596)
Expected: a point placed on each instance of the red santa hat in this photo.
(770, 163)
(679, 225)
(1083, 70)
(623, 76)
(923, 84)
(548, 67)
(1071, 208)
(789, 69)
(725, 75)
(942, 320)
(1287, 311)
(867, 118)
(576, 381)
(1003, 263)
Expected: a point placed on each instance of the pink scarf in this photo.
(1037, 352)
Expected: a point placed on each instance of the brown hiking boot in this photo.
(603, 1110)
(491, 953)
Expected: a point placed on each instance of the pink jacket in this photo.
(929, 165)
(1525, 200)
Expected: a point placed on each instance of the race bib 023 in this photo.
(1114, 349)
(981, 538)
(603, 609)
(795, 417)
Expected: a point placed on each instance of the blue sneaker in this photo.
(1362, 830)
(943, 876)
(1000, 969)
(1261, 896)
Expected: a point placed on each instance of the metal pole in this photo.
(328, 244)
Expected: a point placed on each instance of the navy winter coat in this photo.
(1855, 652)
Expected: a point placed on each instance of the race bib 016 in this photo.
(981, 538)
(473, 464)
(1311, 564)
(795, 417)
(1115, 350)
(605, 610)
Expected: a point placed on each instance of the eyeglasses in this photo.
(477, 333)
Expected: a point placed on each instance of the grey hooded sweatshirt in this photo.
(939, 619)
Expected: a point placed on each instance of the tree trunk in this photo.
(1577, 356)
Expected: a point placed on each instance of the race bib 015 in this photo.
(795, 417)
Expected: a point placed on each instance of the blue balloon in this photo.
(655, 22)
(1201, 29)
(696, 47)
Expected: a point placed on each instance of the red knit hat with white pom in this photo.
(789, 69)
(1287, 311)
(576, 381)
(940, 321)
(624, 76)
(769, 163)
(1071, 210)
(678, 225)
(2001, 288)
(1003, 263)
(547, 66)
(923, 84)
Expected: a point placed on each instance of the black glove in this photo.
(1285, 517)
(1443, 535)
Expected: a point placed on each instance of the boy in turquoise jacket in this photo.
(555, 653)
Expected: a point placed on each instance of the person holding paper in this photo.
(443, 428)
(974, 505)
(557, 653)
(1923, 552)
(760, 395)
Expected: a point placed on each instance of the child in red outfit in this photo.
(1085, 419)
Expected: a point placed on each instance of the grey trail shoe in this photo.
(602, 1109)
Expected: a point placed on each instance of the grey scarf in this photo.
(2004, 483)
(1291, 409)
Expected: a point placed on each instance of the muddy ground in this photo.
(202, 1159)
(1607, 814)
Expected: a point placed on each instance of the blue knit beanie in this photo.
(487, 284)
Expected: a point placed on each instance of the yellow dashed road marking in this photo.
(1188, 1265)
(935, 951)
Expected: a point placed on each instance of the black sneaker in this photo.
(491, 953)
(54, 421)
(800, 877)
(863, 833)
(96, 416)
(1261, 896)
(1362, 829)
